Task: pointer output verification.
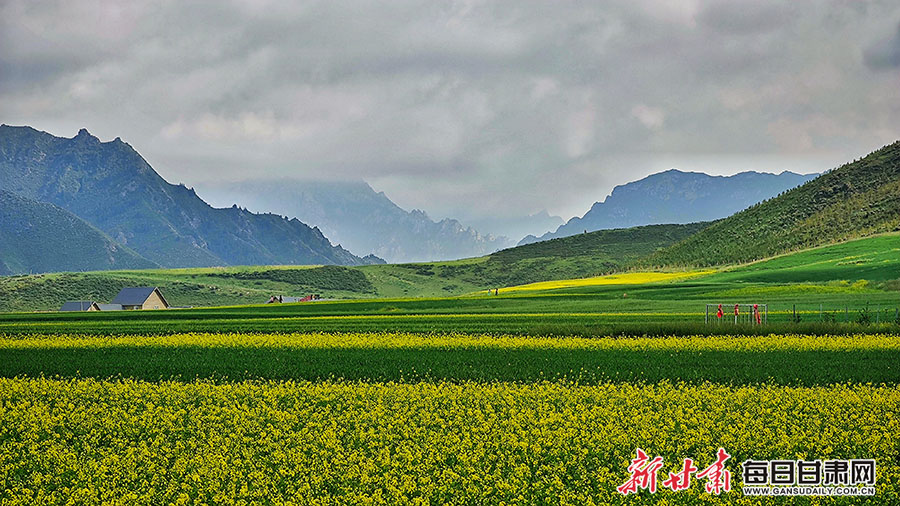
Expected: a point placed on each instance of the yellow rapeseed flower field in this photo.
(401, 340)
(88, 441)
(631, 278)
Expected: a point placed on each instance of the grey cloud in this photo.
(749, 17)
(885, 53)
(461, 108)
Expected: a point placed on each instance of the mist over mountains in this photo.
(675, 196)
(362, 220)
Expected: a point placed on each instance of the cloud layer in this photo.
(463, 108)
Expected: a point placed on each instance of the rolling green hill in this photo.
(855, 200)
(39, 237)
(866, 269)
(571, 257)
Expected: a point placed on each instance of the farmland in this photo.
(410, 418)
(539, 394)
(793, 360)
(829, 283)
(842, 288)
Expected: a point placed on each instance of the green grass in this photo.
(215, 286)
(558, 314)
(874, 259)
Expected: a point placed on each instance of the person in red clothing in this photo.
(720, 313)
(756, 313)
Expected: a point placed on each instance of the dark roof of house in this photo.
(77, 305)
(110, 307)
(134, 295)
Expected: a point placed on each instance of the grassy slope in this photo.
(577, 256)
(858, 199)
(40, 237)
(874, 259)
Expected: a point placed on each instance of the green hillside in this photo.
(856, 200)
(873, 259)
(861, 270)
(39, 237)
(571, 257)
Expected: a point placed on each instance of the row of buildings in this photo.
(130, 298)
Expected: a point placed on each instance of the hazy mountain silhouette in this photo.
(675, 196)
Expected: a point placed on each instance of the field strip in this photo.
(395, 316)
(389, 340)
(634, 278)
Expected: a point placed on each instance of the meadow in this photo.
(585, 255)
(842, 288)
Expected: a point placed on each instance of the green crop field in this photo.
(792, 360)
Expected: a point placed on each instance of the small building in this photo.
(110, 307)
(141, 297)
(80, 305)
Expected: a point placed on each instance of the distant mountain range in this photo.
(361, 219)
(111, 187)
(675, 196)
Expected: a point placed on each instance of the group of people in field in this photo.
(720, 313)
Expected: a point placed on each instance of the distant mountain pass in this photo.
(674, 196)
(362, 220)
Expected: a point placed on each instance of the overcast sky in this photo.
(462, 108)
